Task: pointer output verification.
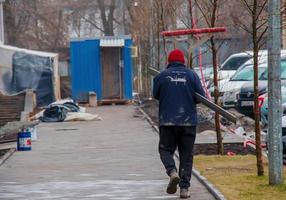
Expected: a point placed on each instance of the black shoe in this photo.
(174, 181)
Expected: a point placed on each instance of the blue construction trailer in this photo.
(102, 65)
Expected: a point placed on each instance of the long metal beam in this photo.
(207, 103)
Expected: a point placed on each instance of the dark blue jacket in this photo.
(175, 89)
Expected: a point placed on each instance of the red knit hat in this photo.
(176, 56)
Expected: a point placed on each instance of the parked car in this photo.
(231, 88)
(284, 149)
(238, 61)
(228, 88)
(232, 63)
(228, 74)
(207, 71)
(208, 74)
(235, 61)
(245, 98)
(263, 101)
(283, 140)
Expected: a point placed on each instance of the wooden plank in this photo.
(11, 107)
(114, 101)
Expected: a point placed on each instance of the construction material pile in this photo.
(65, 110)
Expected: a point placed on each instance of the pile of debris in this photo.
(64, 110)
(235, 136)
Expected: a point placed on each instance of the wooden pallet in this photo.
(114, 102)
(11, 107)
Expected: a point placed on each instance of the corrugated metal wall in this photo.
(86, 71)
(128, 72)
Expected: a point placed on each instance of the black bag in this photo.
(54, 113)
(72, 107)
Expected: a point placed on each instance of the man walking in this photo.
(175, 89)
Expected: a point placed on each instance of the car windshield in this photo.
(264, 75)
(246, 74)
(206, 71)
(235, 62)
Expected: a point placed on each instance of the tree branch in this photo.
(262, 35)
(203, 13)
(250, 10)
(262, 8)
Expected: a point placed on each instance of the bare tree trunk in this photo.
(190, 58)
(158, 35)
(162, 22)
(260, 170)
(58, 31)
(10, 24)
(283, 23)
(107, 22)
(36, 23)
(173, 25)
(220, 149)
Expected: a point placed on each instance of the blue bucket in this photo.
(24, 142)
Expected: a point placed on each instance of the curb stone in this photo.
(210, 187)
(7, 155)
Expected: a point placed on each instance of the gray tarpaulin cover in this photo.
(33, 72)
(6, 70)
(22, 69)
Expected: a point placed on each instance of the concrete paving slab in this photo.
(116, 158)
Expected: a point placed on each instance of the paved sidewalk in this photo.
(116, 158)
